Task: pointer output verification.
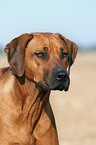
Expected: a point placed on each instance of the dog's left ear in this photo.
(73, 49)
(15, 51)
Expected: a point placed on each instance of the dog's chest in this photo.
(15, 131)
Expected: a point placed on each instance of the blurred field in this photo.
(75, 110)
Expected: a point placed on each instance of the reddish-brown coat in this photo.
(26, 116)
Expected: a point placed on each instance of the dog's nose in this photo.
(62, 75)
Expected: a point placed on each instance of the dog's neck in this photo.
(29, 88)
(27, 101)
(33, 99)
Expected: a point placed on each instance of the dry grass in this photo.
(75, 111)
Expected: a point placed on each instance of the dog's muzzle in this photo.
(58, 80)
(62, 80)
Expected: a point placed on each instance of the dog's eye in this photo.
(41, 54)
(64, 54)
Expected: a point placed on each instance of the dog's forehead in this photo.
(49, 40)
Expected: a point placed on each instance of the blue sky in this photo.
(75, 19)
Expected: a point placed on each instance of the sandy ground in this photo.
(75, 110)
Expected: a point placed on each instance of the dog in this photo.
(39, 63)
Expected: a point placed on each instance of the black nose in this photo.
(62, 75)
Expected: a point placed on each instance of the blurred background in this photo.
(75, 110)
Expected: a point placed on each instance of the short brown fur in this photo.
(26, 117)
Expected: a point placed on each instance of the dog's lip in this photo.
(60, 86)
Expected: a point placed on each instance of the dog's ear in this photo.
(73, 49)
(15, 51)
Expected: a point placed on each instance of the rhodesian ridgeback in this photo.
(39, 63)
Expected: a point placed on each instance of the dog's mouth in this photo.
(63, 86)
(55, 86)
(58, 80)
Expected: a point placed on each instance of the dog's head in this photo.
(45, 58)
